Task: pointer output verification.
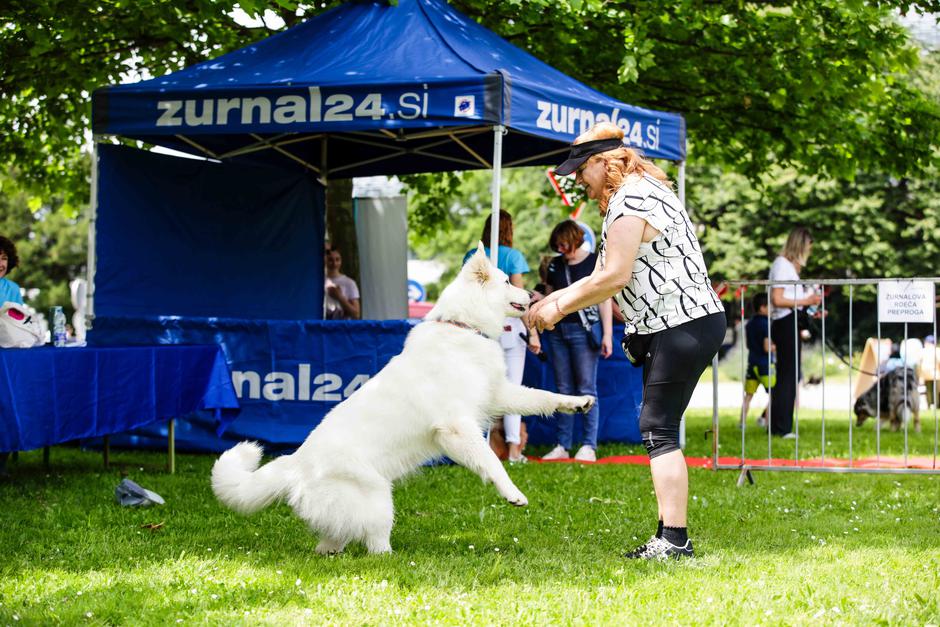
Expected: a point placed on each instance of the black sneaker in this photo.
(662, 549)
(640, 550)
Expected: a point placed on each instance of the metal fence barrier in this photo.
(746, 464)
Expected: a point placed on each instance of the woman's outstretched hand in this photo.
(544, 315)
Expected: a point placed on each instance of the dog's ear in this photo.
(478, 266)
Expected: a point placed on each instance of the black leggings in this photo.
(675, 359)
(784, 334)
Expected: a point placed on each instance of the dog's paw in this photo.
(587, 404)
(518, 499)
(578, 404)
(330, 547)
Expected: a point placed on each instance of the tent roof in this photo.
(369, 88)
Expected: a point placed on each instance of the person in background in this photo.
(784, 299)
(342, 293)
(650, 261)
(576, 343)
(9, 291)
(515, 337)
(760, 368)
(541, 288)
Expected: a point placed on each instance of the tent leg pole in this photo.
(682, 420)
(171, 446)
(498, 131)
(92, 236)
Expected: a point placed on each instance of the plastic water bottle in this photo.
(58, 326)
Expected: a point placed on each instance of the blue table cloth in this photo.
(52, 395)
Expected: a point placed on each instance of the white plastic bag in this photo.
(18, 329)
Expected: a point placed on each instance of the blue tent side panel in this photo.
(194, 238)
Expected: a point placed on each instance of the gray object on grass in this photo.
(130, 494)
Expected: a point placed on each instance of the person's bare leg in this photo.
(745, 407)
(671, 483)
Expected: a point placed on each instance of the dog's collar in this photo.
(464, 325)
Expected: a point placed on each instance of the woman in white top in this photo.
(650, 261)
(783, 328)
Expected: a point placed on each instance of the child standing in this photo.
(760, 370)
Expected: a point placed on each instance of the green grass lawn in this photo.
(792, 549)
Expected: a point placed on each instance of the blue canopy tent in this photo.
(368, 88)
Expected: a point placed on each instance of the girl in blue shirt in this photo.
(9, 291)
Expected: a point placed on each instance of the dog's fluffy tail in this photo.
(240, 484)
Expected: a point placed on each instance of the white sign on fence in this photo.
(906, 301)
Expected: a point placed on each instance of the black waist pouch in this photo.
(635, 347)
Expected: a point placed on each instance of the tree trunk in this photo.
(341, 225)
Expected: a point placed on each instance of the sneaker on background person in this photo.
(585, 454)
(559, 452)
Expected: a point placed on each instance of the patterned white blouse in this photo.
(669, 285)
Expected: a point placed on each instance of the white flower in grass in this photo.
(411, 563)
(88, 614)
(179, 620)
(470, 547)
(214, 597)
(79, 593)
(496, 549)
(279, 572)
(16, 617)
(297, 583)
(515, 540)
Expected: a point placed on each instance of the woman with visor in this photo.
(650, 261)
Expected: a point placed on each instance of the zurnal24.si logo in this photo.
(299, 386)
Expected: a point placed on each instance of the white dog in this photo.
(434, 399)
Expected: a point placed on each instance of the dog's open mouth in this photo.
(517, 306)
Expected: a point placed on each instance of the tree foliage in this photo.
(54, 53)
(52, 246)
(814, 84)
(817, 84)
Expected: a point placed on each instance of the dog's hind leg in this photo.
(462, 441)
(379, 516)
(329, 545)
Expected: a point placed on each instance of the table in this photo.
(53, 395)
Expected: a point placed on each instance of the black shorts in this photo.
(675, 360)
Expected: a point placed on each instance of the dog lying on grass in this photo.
(434, 399)
(899, 400)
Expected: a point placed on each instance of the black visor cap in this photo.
(582, 152)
